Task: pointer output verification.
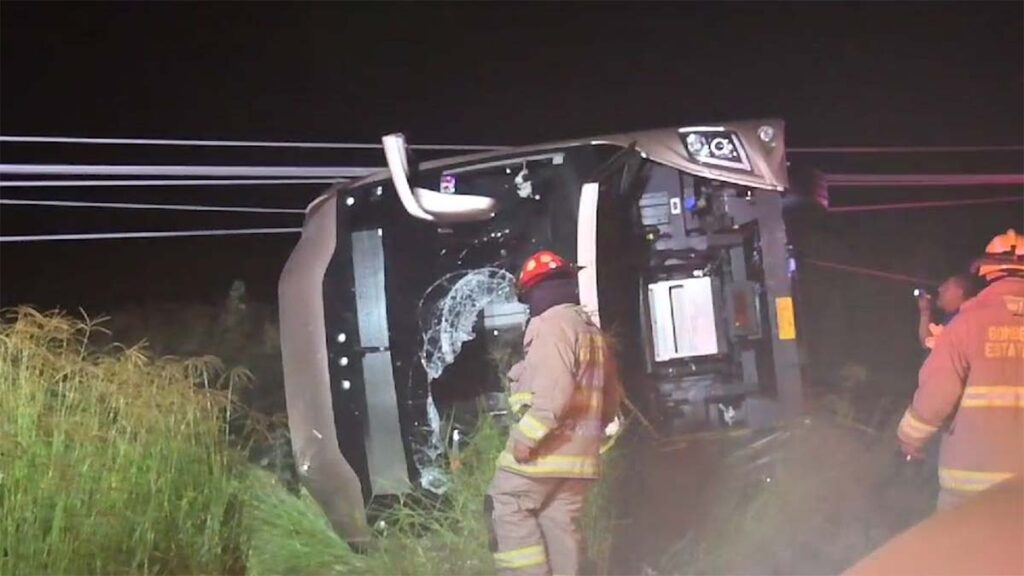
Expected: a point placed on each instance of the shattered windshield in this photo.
(454, 324)
(451, 309)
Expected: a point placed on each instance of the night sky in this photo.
(885, 74)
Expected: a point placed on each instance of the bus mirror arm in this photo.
(427, 204)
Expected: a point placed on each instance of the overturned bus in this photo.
(400, 293)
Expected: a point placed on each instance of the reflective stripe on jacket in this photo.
(973, 383)
(565, 391)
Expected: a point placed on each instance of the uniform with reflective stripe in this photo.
(553, 465)
(532, 428)
(993, 397)
(913, 430)
(972, 387)
(563, 392)
(520, 557)
(533, 517)
(567, 390)
(519, 402)
(970, 481)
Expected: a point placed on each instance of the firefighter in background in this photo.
(952, 294)
(973, 383)
(564, 392)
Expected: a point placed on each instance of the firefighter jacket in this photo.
(565, 392)
(973, 384)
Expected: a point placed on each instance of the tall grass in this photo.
(111, 463)
(290, 535)
(419, 535)
(446, 535)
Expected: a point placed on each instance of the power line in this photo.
(902, 149)
(131, 206)
(136, 235)
(870, 180)
(104, 183)
(231, 143)
(168, 170)
(370, 146)
(870, 272)
(935, 204)
(847, 180)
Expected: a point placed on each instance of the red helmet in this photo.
(540, 266)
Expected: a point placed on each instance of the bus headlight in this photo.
(720, 148)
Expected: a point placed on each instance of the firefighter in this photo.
(973, 383)
(564, 393)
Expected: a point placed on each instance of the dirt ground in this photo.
(808, 498)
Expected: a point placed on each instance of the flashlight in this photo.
(917, 292)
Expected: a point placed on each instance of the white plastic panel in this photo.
(586, 250)
(683, 319)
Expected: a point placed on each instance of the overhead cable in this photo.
(854, 180)
(901, 149)
(369, 146)
(935, 204)
(137, 235)
(207, 171)
(847, 180)
(231, 143)
(870, 272)
(132, 206)
(210, 182)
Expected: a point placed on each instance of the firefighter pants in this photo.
(535, 523)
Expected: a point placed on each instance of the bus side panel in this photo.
(323, 470)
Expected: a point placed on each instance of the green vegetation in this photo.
(419, 535)
(113, 462)
(289, 535)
